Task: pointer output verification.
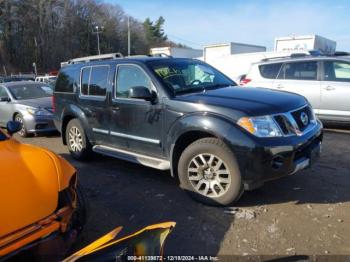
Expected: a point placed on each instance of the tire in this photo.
(77, 221)
(23, 132)
(209, 172)
(81, 213)
(77, 142)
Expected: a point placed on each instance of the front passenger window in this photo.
(129, 76)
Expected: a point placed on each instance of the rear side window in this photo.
(98, 81)
(66, 80)
(337, 71)
(299, 71)
(270, 71)
(94, 80)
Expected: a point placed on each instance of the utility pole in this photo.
(99, 30)
(129, 40)
(35, 69)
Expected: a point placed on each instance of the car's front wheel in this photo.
(209, 172)
(23, 132)
(77, 141)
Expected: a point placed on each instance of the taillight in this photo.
(244, 81)
(53, 104)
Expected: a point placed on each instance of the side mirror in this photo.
(5, 99)
(141, 92)
(13, 127)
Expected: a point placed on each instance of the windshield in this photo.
(186, 76)
(30, 91)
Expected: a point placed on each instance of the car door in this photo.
(335, 90)
(302, 78)
(5, 106)
(93, 100)
(135, 124)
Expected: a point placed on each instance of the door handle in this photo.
(279, 86)
(329, 88)
(115, 108)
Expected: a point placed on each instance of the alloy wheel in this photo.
(75, 139)
(209, 175)
(23, 129)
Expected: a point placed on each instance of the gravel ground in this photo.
(304, 214)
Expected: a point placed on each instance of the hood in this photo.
(251, 101)
(30, 182)
(44, 102)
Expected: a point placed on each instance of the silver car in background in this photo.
(323, 80)
(29, 103)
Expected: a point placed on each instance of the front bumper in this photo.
(50, 237)
(37, 124)
(271, 158)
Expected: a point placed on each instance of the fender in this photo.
(217, 125)
(74, 111)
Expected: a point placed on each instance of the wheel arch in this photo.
(74, 112)
(14, 115)
(192, 128)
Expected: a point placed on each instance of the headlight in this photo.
(31, 110)
(314, 117)
(38, 111)
(260, 126)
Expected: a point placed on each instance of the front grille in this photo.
(281, 121)
(295, 122)
(299, 116)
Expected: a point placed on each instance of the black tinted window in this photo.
(299, 71)
(65, 81)
(270, 70)
(85, 76)
(129, 76)
(98, 81)
(337, 71)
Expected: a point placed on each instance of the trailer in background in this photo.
(179, 52)
(212, 52)
(305, 43)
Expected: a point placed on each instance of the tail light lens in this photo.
(244, 81)
(53, 104)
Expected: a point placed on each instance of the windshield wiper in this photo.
(201, 89)
(189, 90)
(216, 86)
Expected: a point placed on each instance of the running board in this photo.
(157, 163)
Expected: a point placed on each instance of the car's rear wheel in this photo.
(23, 132)
(77, 142)
(209, 172)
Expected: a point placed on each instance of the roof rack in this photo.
(95, 58)
(341, 53)
(160, 55)
(312, 53)
(295, 55)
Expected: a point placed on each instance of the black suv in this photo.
(183, 115)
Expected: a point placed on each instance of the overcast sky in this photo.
(200, 22)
